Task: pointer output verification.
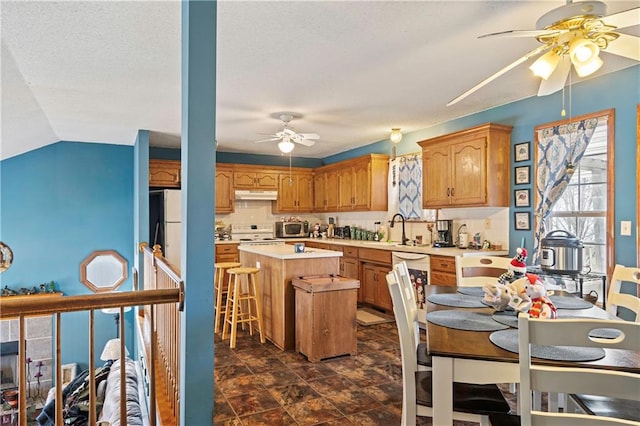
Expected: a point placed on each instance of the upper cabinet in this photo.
(469, 168)
(164, 173)
(360, 181)
(255, 179)
(295, 192)
(224, 189)
(325, 190)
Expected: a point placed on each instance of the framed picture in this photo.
(522, 174)
(69, 372)
(522, 197)
(521, 152)
(522, 221)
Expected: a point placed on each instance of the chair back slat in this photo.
(573, 380)
(615, 298)
(487, 264)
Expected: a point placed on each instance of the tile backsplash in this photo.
(492, 223)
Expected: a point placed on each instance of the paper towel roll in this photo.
(463, 240)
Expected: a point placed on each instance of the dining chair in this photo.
(615, 407)
(471, 402)
(607, 383)
(616, 299)
(487, 267)
(408, 292)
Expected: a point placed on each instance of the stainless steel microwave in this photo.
(292, 229)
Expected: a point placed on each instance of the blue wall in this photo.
(59, 204)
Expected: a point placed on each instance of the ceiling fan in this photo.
(288, 137)
(573, 34)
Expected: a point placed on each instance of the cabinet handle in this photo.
(453, 192)
(448, 192)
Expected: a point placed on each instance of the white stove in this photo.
(254, 234)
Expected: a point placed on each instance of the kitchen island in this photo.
(279, 265)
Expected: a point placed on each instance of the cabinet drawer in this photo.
(443, 278)
(223, 258)
(226, 249)
(443, 264)
(381, 256)
(349, 251)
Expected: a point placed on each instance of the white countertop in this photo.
(423, 249)
(286, 251)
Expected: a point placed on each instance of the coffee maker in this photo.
(445, 233)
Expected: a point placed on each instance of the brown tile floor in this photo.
(258, 384)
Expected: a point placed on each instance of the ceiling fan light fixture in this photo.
(585, 57)
(396, 135)
(545, 65)
(286, 146)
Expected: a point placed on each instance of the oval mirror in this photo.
(6, 257)
(103, 270)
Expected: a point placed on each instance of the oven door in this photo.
(419, 271)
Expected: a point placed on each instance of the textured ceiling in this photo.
(99, 71)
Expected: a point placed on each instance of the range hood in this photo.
(255, 195)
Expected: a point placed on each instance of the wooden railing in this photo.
(21, 308)
(163, 324)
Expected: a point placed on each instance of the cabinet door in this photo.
(368, 283)
(266, 180)
(332, 191)
(224, 189)
(287, 193)
(362, 186)
(244, 180)
(319, 192)
(383, 297)
(436, 176)
(305, 192)
(164, 173)
(345, 189)
(469, 172)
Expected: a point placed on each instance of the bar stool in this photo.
(221, 287)
(235, 314)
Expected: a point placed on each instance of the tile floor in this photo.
(258, 384)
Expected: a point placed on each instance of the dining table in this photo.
(469, 356)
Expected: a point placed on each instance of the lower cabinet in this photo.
(227, 253)
(443, 270)
(374, 284)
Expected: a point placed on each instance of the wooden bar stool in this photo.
(235, 314)
(221, 288)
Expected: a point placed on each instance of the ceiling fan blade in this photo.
(509, 67)
(521, 33)
(557, 78)
(288, 131)
(309, 135)
(623, 19)
(625, 45)
(304, 142)
(267, 140)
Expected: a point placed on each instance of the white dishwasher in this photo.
(420, 274)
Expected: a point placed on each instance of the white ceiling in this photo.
(97, 71)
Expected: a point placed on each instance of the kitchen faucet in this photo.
(393, 222)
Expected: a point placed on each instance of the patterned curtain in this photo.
(560, 149)
(410, 186)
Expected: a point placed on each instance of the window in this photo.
(585, 208)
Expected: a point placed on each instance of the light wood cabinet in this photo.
(376, 264)
(325, 190)
(255, 179)
(359, 183)
(164, 173)
(295, 192)
(224, 189)
(443, 270)
(467, 168)
(227, 252)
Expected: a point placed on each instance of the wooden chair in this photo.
(615, 298)
(408, 292)
(614, 407)
(602, 382)
(486, 268)
(471, 402)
